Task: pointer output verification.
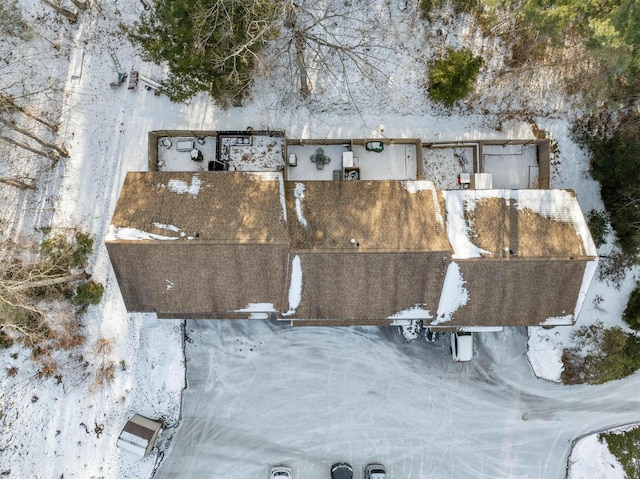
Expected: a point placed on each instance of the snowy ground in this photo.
(261, 394)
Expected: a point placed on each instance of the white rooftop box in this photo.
(482, 181)
(185, 145)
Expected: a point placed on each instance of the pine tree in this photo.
(209, 46)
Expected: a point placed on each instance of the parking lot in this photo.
(261, 394)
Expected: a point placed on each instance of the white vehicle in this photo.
(461, 346)
(280, 472)
(375, 471)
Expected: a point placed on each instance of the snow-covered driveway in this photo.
(261, 394)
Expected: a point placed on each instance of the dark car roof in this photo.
(341, 470)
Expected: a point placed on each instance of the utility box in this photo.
(139, 436)
(464, 180)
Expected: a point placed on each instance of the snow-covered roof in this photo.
(513, 292)
(517, 223)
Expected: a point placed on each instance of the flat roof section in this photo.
(443, 164)
(174, 153)
(216, 151)
(395, 162)
(512, 166)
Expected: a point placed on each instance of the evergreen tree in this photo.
(208, 45)
(452, 78)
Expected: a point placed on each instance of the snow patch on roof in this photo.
(181, 187)
(257, 308)
(454, 294)
(458, 230)
(295, 286)
(166, 227)
(298, 194)
(414, 312)
(566, 320)
(421, 185)
(413, 186)
(283, 203)
(587, 277)
(133, 234)
(560, 205)
(132, 449)
(132, 444)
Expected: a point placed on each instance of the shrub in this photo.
(426, 6)
(599, 226)
(459, 6)
(631, 313)
(5, 341)
(82, 249)
(612, 268)
(624, 446)
(66, 254)
(88, 293)
(452, 78)
(600, 355)
(48, 368)
(106, 371)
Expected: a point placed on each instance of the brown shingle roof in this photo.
(499, 227)
(231, 250)
(360, 287)
(198, 279)
(517, 292)
(380, 215)
(227, 207)
(243, 244)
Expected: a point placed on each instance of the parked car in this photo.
(461, 346)
(375, 471)
(341, 470)
(281, 472)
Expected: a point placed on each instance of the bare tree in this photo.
(52, 155)
(68, 14)
(18, 183)
(335, 45)
(61, 150)
(9, 105)
(23, 103)
(299, 45)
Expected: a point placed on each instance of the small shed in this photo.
(139, 436)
